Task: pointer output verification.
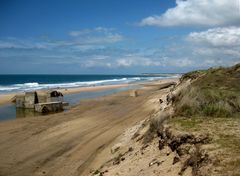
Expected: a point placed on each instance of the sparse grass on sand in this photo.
(225, 139)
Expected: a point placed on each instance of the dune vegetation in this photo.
(214, 93)
(210, 104)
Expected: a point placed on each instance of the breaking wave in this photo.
(37, 86)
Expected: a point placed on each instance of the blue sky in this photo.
(117, 36)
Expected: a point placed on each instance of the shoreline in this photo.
(6, 98)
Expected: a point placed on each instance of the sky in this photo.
(117, 36)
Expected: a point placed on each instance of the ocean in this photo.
(21, 83)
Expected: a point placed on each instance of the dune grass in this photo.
(214, 93)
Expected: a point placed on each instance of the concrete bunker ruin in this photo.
(48, 101)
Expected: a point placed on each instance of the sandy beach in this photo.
(67, 143)
(120, 88)
(6, 98)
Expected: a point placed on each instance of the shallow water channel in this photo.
(9, 111)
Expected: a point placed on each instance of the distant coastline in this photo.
(21, 83)
(162, 74)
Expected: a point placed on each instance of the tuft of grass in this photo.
(155, 125)
(234, 166)
(192, 75)
(214, 110)
(230, 142)
(193, 123)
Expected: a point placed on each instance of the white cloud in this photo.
(83, 42)
(99, 61)
(225, 37)
(87, 31)
(216, 43)
(216, 46)
(146, 61)
(78, 33)
(5, 45)
(98, 35)
(180, 62)
(110, 38)
(198, 12)
(24, 44)
(129, 60)
(125, 62)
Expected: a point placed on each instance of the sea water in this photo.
(21, 83)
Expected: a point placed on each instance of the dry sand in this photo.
(66, 143)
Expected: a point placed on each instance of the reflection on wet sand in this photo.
(9, 111)
(22, 113)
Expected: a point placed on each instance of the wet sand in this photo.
(66, 143)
